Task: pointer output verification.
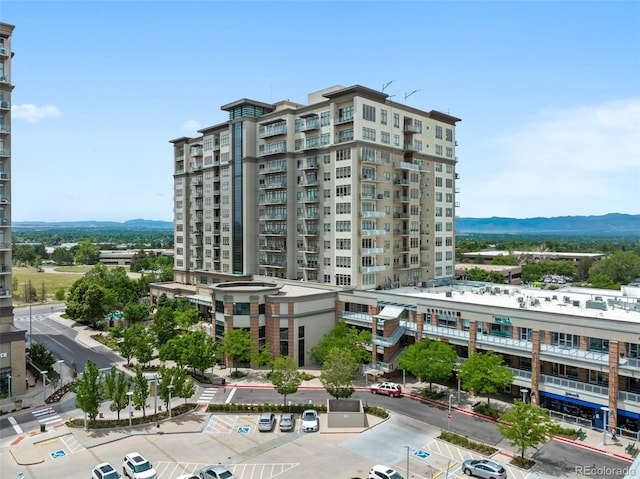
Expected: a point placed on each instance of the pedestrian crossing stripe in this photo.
(207, 396)
(47, 416)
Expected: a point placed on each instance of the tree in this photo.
(144, 347)
(337, 373)
(187, 318)
(195, 349)
(528, 426)
(135, 312)
(430, 360)
(621, 267)
(87, 253)
(128, 337)
(345, 337)
(88, 390)
(176, 382)
(485, 373)
(41, 357)
(88, 301)
(62, 256)
(140, 391)
(116, 386)
(262, 356)
(163, 326)
(236, 345)
(285, 376)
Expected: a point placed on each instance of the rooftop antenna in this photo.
(387, 84)
(407, 95)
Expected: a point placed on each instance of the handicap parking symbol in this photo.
(243, 430)
(57, 454)
(421, 454)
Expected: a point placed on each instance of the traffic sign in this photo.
(449, 416)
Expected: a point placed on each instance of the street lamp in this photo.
(449, 414)
(524, 394)
(44, 386)
(30, 322)
(408, 449)
(170, 388)
(605, 424)
(60, 362)
(9, 384)
(129, 394)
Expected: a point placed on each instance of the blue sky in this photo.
(548, 93)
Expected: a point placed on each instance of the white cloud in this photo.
(583, 160)
(191, 125)
(34, 113)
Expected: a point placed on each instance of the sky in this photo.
(548, 93)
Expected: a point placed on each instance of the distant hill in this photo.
(613, 224)
(136, 224)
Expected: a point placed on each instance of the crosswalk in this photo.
(35, 317)
(207, 396)
(47, 416)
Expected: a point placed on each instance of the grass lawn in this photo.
(52, 281)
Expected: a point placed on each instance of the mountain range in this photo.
(612, 224)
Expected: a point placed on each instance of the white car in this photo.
(188, 476)
(390, 389)
(383, 472)
(105, 471)
(135, 466)
(310, 420)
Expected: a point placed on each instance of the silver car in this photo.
(267, 422)
(287, 422)
(484, 468)
(215, 471)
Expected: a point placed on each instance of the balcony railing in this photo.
(372, 269)
(388, 340)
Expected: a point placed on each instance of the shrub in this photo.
(465, 442)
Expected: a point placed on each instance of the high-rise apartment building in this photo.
(352, 189)
(12, 340)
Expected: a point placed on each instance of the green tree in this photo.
(128, 344)
(236, 345)
(262, 356)
(430, 360)
(507, 260)
(87, 253)
(62, 256)
(140, 391)
(485, 373)
(135, 312)
(337, 373)
(187, 318)
(476, 274)
(88, 301)
(163, 326)
(525, 426)
(89, 390)
(176, 380)
(144, 347)
(41, 357)
(285, 376)
(195, 349)
(621, 267)
(116, 386)
(345, 337)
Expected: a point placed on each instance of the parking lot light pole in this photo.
(408, 449)
(9, 384)
(605, 425)
(170, 388)
(60, 362)
(44, 386)
(449, 413)
(129, 395)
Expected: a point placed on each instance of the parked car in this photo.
(188, 476)
(484, 468)
(310, 420)
(287, 422)
(135, 466)
(383, 472)
(105, 471)
(390, 389)
(216, 471)
(267, 422)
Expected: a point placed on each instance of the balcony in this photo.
(273, 201)
(273, 247)
(272, 232)
(404, 165)
(4, 222)
(401, 266)
(274, 129)
(5, 293)
(273, 216)
(373, 269)
(196, 151)
(4, 200)
(273, 184)
(308, 165)
(311, 123)
(373, 214)
(387, 341)
(5, 245)
(369, 177)
(303, 265)
(343, 119)
(412, 128)
(5, 105)
(4, 176)
(411, 147)
(4, 130)
(365, 251)
(401, 215)
(269, 149)
(4, 152)
(373, 232)
(402, 181)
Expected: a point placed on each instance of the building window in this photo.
(439, 132)
(449, 134)
(385, 137)
(396, 120)
(383, 116)
(284, 341)
(369, 112)
(224, 140)
(325, 118)
(368, 134)
(343, 279)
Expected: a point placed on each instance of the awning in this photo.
(389, 312)
(199, 299)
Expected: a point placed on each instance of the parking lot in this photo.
(234, 440)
